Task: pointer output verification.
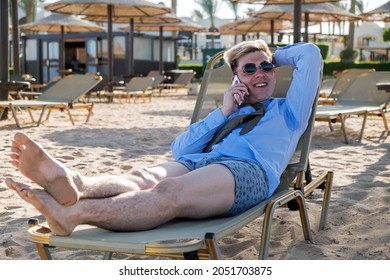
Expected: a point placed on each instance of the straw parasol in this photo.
(109, 9)
(165, 18)
(319, 12)
(183, 25)
(273, 2)
(297, 7)
(58, 23)
(254, 25)
(381, 13)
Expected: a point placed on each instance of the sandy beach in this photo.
(120, 136)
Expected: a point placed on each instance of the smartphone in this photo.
(236, 80)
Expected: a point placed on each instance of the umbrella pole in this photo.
(160, 65)
(306, 39)
(62, 50)
(131, 47)
(297, 20)
(195, 47)
(15, 37)
(4, 49)
(110, 52)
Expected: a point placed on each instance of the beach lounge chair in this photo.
(197, 239)
(158, 79)
(361, 98)
(62, 95)
(326, 87)
(331, 89)
(135, 88)
(154, 73)
(14, 88)
(35, 90)
(182, 82)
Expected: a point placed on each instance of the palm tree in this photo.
(210, 8)
(233, 7)
(30, 8)
(174, 5)
(356, 6)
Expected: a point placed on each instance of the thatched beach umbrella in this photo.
(109, 9)
(254, 25)
(297, 6)
(381, 13)
(170, 27)
(320, 12)
(165, 18)
(59, 23)
(273, 2)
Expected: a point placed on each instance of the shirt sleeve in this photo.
(195, 139)
(307, 61)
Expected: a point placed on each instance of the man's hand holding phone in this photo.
(234, 96)
(239, 97)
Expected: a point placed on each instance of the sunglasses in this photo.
(251, 68)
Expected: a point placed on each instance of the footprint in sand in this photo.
(78, 154)
(65, 157)
(104, 170)
(80, 165)
(126, 167)
(13, 207)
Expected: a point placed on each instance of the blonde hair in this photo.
(232, 55)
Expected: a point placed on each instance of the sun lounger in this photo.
(182, 82)
(62, 95)
(135, 88)
(198, 239)
(331, 89)
(361, 98)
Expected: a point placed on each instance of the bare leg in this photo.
(67, 186)
(202, 193)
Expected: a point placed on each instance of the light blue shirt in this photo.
(272, 142)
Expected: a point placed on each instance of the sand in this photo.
(120, 136)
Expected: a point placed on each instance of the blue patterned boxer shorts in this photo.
(251, 180)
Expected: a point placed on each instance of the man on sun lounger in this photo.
(222, 178)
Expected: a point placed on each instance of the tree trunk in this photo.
(350, 37)
(30, 11)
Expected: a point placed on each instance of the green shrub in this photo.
(386, 34)
(198, 68)
(324, 49)
(334, 67)
(348, 55)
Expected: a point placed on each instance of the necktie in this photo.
(250, 119)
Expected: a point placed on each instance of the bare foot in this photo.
(54, 212)
(37, 165)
